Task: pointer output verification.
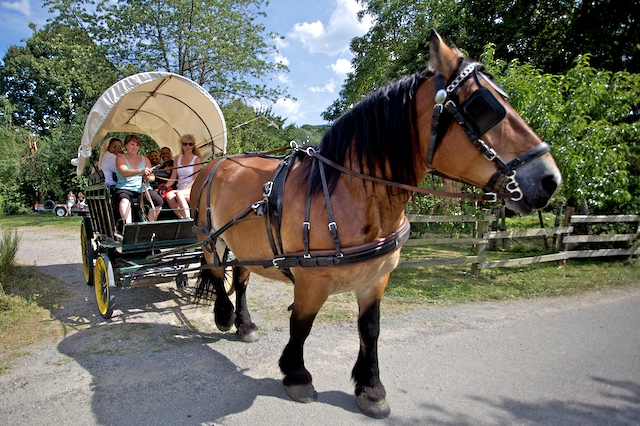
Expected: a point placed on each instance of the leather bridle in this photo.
(476, 115)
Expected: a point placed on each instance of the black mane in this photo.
(382, 127)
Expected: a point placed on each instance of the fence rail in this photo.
(566, 236)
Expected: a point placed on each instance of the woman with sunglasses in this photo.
(186, 167)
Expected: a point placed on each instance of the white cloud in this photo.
(288, 108)
(21, 6)
(284, 79)
(281, 59)
(281, 43)
(335, 37)
(342, 67)
(329, 87)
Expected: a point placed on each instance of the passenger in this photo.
(184, 173)
(71, 201)
(167, 157)
(108, 161)
(163, 172)
(133, 172)
(154, 159)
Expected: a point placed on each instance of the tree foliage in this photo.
(549, 34)
(219, 44)
(57, 75)
(251, 130)
(589, 117)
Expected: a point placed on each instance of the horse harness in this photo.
(270, 208)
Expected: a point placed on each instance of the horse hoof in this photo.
(249, 337)
(376, 409)
(302, 393)
(223, 327)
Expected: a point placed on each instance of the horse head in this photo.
(476, 137)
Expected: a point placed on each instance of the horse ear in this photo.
(443, 59)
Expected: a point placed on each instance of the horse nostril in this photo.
(550, 183)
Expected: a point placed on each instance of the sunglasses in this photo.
(187, 144)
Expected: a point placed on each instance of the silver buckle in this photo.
(267, 189)
(276, 260)
(493, 195)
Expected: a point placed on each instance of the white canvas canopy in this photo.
(162, 105)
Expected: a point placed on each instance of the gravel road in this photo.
(161, 361)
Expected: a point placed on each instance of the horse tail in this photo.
(205, 287)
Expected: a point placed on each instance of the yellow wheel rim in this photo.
(103, 283)
(87, 258)
(228, 280)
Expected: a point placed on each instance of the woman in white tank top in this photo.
(186, 168)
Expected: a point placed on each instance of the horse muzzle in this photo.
(533, 184)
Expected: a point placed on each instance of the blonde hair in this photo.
(188, 137)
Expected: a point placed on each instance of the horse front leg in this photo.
(245, 329)
(370, 392)
(297, 380)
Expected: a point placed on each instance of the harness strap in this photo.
(441, 96)
(273, 197)
(534, 153)
(484, 149)
(333, 227)
(486, 197)
(306, 225)
(324, 258)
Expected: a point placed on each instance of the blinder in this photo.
(482, 110)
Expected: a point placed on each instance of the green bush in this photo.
(9, 242)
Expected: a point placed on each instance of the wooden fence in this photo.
(564, 237)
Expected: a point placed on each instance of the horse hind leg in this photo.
(370, 392)
(211, 283)
(246, 330)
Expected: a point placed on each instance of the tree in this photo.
(249, 130)
(217, 43)
(57, 75)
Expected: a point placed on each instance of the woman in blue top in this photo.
(133, 172)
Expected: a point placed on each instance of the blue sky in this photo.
(315, 48)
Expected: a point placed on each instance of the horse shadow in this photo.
(149, 372)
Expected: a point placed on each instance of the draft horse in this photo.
(331, 219)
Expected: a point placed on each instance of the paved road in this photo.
(564, 361)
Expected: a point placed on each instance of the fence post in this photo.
(478, 249)
(556, 223)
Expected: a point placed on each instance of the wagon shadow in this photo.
(146, 371)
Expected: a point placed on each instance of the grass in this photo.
(26, 296)
(456, 284)
(25, 312)
(40, 219)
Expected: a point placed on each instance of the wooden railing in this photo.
(564, 235)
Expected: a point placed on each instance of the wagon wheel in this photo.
(86, 235)
(228, 280)
(228, 273)
(104, 285)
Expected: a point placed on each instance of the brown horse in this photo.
(327, 219)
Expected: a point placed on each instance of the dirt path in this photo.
(161, 361)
